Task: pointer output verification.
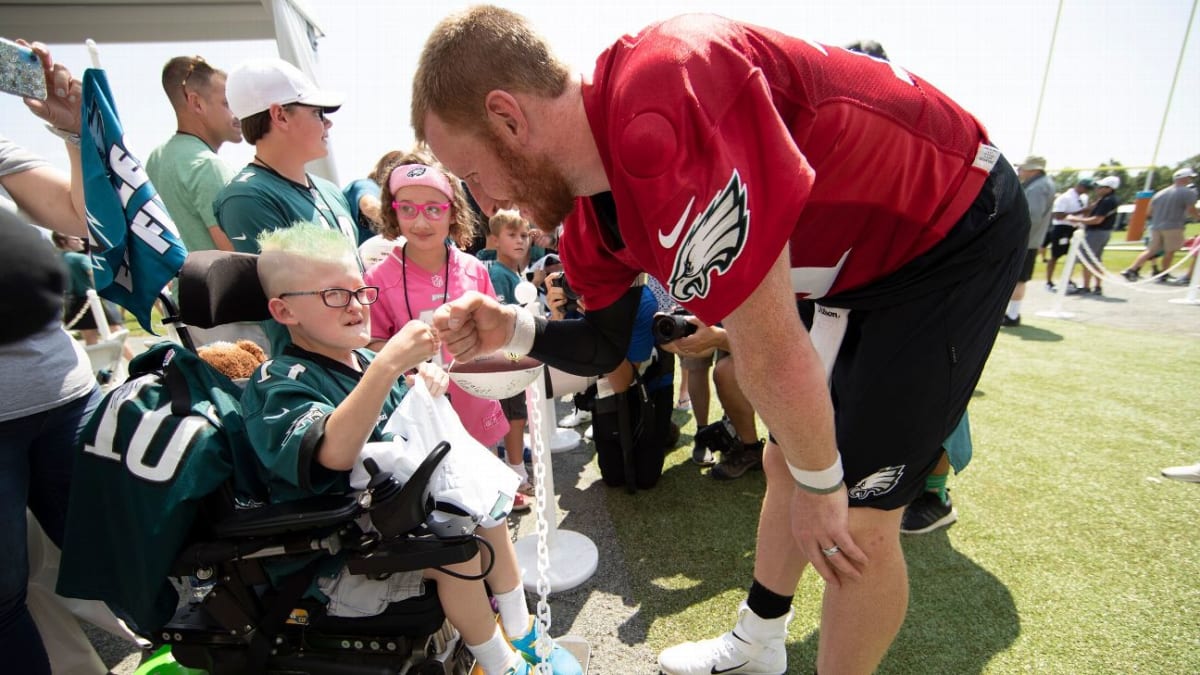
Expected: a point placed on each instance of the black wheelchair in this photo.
(230, 616)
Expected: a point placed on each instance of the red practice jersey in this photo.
(724, 141)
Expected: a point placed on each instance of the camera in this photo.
(572, 297)
(719, 436)
(668, 327)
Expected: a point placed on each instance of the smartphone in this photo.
(21, 71)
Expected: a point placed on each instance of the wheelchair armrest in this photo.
(313, 513)
(404, 554)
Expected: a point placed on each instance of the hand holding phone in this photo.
(21, 71)
(62, 106)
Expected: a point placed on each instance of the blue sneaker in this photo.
(521, 668)
(562, 662)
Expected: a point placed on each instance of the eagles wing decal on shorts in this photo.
(878, 483)
(715, 239)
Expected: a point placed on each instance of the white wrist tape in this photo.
(819, 482)
(524, 330)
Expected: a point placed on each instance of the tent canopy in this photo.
(288, 22)
(55, 21)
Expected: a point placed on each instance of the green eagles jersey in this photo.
(285, 405)
(158, 445)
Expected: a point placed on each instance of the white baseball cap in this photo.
(257, 84)
(1110, 182)
(1185, 172)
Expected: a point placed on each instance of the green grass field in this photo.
(1071, 554)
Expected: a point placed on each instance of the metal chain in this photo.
(534, 395)
(87, 307)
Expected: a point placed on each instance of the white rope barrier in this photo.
(1093, 264)
(1080, 252)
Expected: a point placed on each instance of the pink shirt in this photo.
(425, 292)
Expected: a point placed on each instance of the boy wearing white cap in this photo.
(283, 115)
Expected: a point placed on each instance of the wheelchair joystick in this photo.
(382, 486)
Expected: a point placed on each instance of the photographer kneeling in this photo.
(647, 375)
(734, 436)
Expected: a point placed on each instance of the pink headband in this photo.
(419, 174)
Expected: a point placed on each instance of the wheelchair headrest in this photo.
(219, 287)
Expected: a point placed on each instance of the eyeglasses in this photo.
(407, 210)
(340, 297)
(196, 60)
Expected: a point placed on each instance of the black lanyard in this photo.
(404, 278)
(309, 190)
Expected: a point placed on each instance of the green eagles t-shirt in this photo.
(258, 200)
(504, 281)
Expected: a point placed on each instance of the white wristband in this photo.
(524, 330)
(819, 482)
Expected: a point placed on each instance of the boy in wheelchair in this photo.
(310, 410)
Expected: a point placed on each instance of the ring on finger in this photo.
(831, 551)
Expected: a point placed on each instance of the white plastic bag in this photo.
(470, 480)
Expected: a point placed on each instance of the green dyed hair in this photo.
(289, 252)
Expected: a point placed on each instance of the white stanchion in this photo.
(97, 309)
(551, 559)
(1057, 312)
(573, 557)
(1193, 294)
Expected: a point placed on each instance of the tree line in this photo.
(1131, 183)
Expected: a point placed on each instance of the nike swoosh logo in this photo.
(275, 417)
(669, 240)
(240, 238)
(714, 670)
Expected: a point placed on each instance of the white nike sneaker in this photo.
(734, 652)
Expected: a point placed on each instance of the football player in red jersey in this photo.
(754, 174)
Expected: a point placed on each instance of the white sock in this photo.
(1014, 309)
(496, 655)
(514, 612)
(520, 470)
(758, 629)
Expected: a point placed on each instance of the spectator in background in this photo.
(1098, 224)
(1039, 194)
(362, 195)
(40, 420)
(284, 116)
(428, 207)
(1169, 210)
(186, 170)
(644, 381)
(77, 314)
(736, 434)
(510, 234)
(1069, 203)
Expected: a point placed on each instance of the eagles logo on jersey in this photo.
(715, 239)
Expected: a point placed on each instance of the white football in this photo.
(495, 376)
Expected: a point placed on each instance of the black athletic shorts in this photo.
(916, 343)
(1060, 239)
(514, 407)
(1031, 256)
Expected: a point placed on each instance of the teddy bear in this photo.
(236, 361)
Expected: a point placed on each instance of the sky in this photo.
(1106, 90)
